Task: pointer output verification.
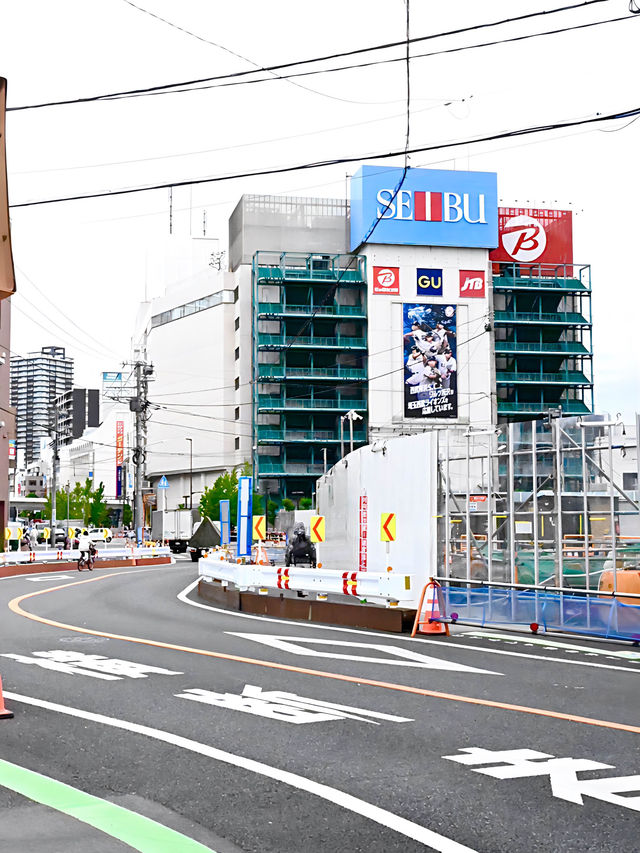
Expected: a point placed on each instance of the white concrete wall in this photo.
(400, 480)
(476, 386)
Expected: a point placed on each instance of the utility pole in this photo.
(139, 404)
(54, 476)
(190, 440)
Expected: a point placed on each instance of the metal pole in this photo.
(468, 510)
(612, 513)
(54, 478)
(190, 440)
(341, 436)
(489, 508)
(447, 519)
(137, 456)
(511, 509)
(558, 458)
(534, 471)
(324, 460)
(585, 509)
(351, 434)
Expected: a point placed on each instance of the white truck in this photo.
(174, 526)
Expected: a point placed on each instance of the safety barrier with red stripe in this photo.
(384, 587)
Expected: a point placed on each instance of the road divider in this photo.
(385, 587)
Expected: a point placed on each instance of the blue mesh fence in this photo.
(553, 611)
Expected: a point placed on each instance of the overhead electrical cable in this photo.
(324, 58)
(319, 164)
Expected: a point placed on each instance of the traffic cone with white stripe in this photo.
(4, 712)
(428, 615)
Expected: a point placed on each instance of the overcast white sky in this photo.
(84, 262)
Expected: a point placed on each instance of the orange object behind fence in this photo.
(4, 712)
(428, 619)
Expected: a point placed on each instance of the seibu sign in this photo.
(428, 208)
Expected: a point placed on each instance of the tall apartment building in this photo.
(36, 382)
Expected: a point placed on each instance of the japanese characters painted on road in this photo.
(388, 527)
(287, 707)
(259, 528)
(388, 654)
(95, 666)
(430, 375)
(317, 528)
(562, 773)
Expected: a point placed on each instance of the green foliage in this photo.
(127, 514)
(225, 487)
(81, 502)
(288, 504)
(272, 508)
(305, 503)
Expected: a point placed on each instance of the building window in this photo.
(237, 323)
(236, 294)
(237, 353)
(237, 413)
(237, 383)
(237, 444)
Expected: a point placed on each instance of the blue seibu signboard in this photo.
(431, 208)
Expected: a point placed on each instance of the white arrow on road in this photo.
(395, 655)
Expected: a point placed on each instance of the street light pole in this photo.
(190, 440)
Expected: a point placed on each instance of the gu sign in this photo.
(431, 208)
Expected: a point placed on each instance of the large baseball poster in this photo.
(430, 367)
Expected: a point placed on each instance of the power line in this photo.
(319, 164)
(324, 58)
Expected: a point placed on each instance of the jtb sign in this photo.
(431, 208)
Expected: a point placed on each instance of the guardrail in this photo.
(9, 558)
(389, 587)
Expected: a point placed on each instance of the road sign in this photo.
(163, 483)
(46, 533)
(72, 533)
(225, 522)
(388, 527)
(317, 528)
(245, 486)
(105, 533)
(260, 527)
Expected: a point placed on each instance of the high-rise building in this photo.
(36, 382)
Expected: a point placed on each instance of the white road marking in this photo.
(286, 707)
(552, 645)
(46, 577)
(333, 795)
(562, 773)
(395, 655)
(183, 597)
(95, 666)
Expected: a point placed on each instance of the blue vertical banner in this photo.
(225, 522)
(244, 516)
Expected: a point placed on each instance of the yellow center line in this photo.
(14, 605)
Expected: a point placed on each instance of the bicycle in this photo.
(87, 559)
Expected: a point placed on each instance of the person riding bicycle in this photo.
(87, 551)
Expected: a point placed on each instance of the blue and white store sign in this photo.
(432, 208)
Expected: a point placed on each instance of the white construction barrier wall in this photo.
(396, 476)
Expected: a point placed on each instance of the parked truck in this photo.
(174, 526)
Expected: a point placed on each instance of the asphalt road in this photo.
(147, 721)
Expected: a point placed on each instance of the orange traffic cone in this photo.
(4, 712)
(428, 617)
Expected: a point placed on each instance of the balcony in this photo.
(562, 377)
(279, 404)
(555, 348)
(280, 468)
(282, 309)
(281, 372)
(276, 342)
(278, 436)
(333, 270)
(569, 407)
(569, 278)
(562, 318)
